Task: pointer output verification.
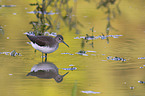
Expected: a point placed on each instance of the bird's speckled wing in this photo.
(42, 40)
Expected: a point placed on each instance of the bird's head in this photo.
(59, 39)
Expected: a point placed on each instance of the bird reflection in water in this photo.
(46, 70)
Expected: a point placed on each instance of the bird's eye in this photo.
(59, 79)
(60, 39)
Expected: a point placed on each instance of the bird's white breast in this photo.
(44, 49)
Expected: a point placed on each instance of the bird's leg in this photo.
(45, 57)
(42, 57)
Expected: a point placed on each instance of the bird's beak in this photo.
(28, 74)
(65, 43)
(65, 74)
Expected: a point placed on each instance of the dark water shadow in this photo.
(46, 70)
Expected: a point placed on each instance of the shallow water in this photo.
(94, 74)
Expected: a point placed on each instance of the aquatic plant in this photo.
(74, 89)
(116, 58)
(71, 69)
(90, 37)
(82, 52)
(67, 53)
(112, 9)
(1, 30)
(46, 20)
(102, 37)
(12, 53)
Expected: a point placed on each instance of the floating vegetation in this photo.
(13, 53)
(7, 5)
(40, 12)
(89, 37)
(92, 37)
(102, 37)
(141, 82)
(82, 52)
(141, 58)
(72, 68)
(90, 92)
(45, 33)
(116, 58)
(67, 53)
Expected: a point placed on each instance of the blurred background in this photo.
(106, 53)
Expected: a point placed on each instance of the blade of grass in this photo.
(74, 90)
